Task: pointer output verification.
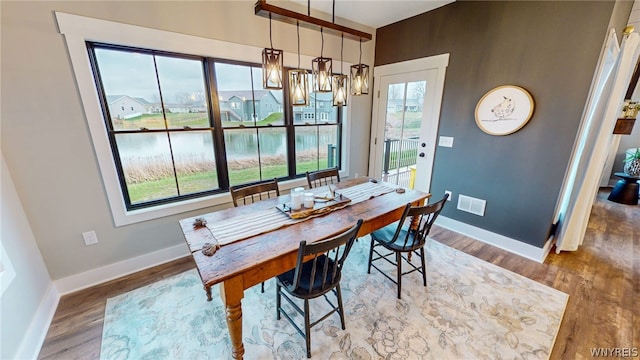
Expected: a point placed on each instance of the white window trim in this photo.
(7, 273)
(79, 29)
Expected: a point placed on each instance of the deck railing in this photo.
(399, 155)
(332, 153)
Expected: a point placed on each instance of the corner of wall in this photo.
(37, 331)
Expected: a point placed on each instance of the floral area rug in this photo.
(470, 309)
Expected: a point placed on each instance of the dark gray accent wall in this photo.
(549, 48)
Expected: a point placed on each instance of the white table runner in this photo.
(259, 222)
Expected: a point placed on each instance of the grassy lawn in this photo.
(156, 121)
(164, 188)
(271, 119)
(151, 190)
(179, 120)
(412, 122)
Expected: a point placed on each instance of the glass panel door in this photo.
(403, 121)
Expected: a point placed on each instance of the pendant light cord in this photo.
(341, 49)
(322, 46)
(333, 19)
(298, 31)
(270, 37)
(360, 59)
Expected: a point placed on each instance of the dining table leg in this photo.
(232, 292)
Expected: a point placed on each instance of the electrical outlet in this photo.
(90, 238)
(450, 194)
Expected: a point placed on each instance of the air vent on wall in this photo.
(472, 205)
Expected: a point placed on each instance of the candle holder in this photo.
(297, 198)
(309, 200)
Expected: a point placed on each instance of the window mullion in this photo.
(339, 139)
(166, 128)
(110, 130)
(291, 129)
(254, 117)
(218, 134)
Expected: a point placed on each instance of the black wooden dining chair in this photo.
(322, 177)
(315, 277)
(399, 239)
(248, 194)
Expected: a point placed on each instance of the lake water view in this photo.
(240, 143)
(147, 156)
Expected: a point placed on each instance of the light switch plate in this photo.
(446, 141)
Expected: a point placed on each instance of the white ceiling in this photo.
(373, 13)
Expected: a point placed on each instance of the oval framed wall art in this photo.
(504, 110)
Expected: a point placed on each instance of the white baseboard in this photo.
(500, 241)
(113, 271)
(37, 331)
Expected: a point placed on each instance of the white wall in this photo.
(632, 140)
(46, 141)
(27, 304)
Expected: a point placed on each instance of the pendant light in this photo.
(272, 65)
(360, 77)
(321, 68)
(340, 83)
(298, 89)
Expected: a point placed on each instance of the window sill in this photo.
(122, 217)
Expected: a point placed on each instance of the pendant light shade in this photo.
(321, 68)
(298, 88)
(340, 83)
(340, 90)
(360, 77)
(272, 65)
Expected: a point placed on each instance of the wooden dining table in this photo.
(244, 263)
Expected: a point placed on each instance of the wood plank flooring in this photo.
(602, 279)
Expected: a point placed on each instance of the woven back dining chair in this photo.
(317, 276)
(394, 242)
(248, 194)
(322, 177)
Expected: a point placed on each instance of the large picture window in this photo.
(317, 132)
(255, 132)
(183, 126)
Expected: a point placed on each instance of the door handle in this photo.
(421, 154)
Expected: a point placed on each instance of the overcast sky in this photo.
(133, 74)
